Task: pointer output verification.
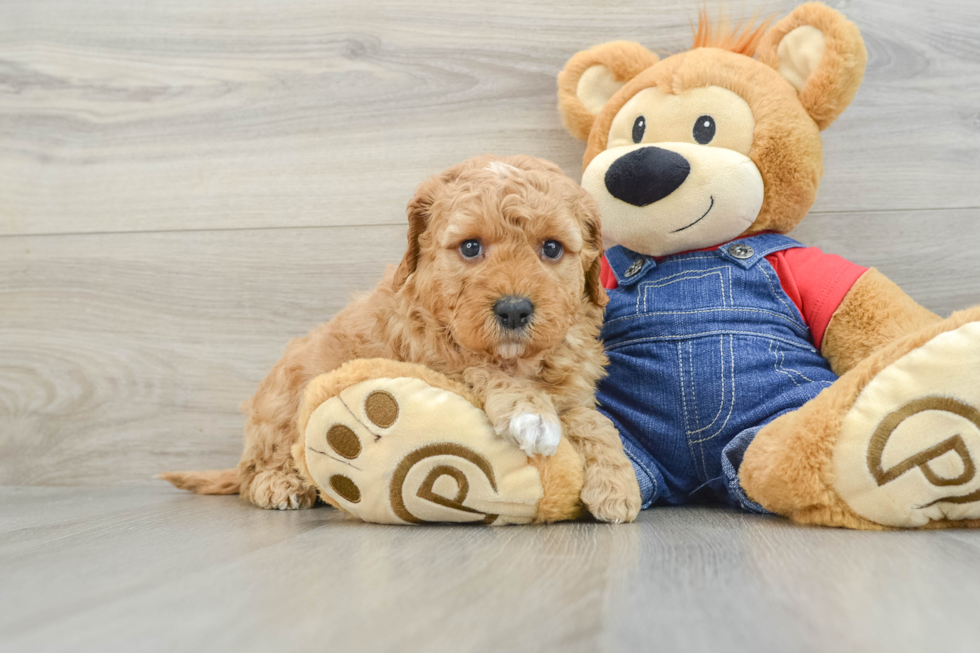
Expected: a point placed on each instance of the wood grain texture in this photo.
(184, 186)
(127, 354)
(120, 116)
(149, 570)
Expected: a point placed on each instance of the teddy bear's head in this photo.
(703, 146)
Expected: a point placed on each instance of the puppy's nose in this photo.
(646, 175)
(513, 312)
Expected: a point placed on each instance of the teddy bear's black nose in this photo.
(646, 175)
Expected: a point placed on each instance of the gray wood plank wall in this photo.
(186, 185)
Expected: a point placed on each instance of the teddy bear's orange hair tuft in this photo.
(743, 38)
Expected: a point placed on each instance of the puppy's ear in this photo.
(593, 76)
(821, 54)
(593, 283)
(418, 221)
(592, 235)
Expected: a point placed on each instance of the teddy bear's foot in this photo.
(402, 451)
(908, 449)
(894, 443)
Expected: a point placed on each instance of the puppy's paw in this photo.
(535, 434)
(613, 500)
(274, 490)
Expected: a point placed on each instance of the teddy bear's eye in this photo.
(639, 128)
(704, 129)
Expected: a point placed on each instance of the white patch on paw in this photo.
(535, 434)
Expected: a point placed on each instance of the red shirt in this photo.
(816, 282)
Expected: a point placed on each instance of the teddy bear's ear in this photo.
(821, 54)
(593, 76)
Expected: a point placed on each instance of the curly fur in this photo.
(435, 310)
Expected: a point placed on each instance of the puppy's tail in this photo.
(214, 481)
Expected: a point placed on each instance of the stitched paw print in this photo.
(402, 451)
(381, 410)
(908, 449)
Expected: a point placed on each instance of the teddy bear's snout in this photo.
(646, 175)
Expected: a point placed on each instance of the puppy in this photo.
(499, 289)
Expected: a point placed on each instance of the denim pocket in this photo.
(690, 290)
(706, 368)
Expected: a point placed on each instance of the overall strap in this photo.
(628, 266)
(746, 252)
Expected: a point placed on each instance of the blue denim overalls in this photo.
(705, 349)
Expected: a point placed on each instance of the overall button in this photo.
(741, 251)
(634, 268)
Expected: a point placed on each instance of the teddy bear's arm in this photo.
(874, 312)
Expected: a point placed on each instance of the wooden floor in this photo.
(151, 570)
(185, 185)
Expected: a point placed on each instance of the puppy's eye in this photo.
(552, 249)
(704, 129)
(470, 248)
(639, 128)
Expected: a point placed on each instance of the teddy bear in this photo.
(744, 366)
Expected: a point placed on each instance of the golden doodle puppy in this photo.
(499, 290)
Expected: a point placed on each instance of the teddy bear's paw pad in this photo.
(908, 450)
(399, 451)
